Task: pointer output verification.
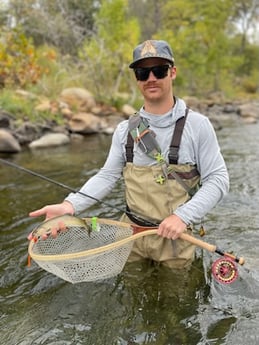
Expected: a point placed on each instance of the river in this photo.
(144, 304)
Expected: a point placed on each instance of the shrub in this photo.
(18, 60)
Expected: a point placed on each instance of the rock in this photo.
(192, 102)
(27, 132)
(86, 123)
(229, 108)
(108, 130)
(248, 110)
(78, 98)
(67, 113)
(128, 110)
(215, 97)
(113, 121)
(26, 94)
(249, 120)
(44, 106)
(8, 143)
(5, 119)
(76, 137)
(103, 110)
(51, 139)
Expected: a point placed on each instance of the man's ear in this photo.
(173, 73)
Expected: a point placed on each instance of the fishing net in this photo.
(89, 249)
(82, 251)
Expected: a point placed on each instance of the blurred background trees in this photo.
(46, 45)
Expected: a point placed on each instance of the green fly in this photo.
(93, 226)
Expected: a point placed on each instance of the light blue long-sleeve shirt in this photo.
(199, 146)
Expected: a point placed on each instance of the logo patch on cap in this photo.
(148, 49)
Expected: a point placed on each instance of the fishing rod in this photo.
(62, 185)
(224, 270)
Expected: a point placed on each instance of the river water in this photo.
(144, 304)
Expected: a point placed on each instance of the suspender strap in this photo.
(174, 146)
(129, 148)
(176, 140)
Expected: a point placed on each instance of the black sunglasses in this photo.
(160, 72)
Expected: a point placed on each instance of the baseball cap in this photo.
(152, 49)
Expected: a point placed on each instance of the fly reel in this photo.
(224, 270)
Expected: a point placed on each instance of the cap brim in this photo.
(134, 63)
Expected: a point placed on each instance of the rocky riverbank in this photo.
(82, 115)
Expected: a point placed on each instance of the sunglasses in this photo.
(160, 72)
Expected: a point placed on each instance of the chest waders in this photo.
(154, 192)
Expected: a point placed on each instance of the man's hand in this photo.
(171, 227)
(55, 210)
(51, 211)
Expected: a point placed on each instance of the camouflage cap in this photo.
(152, 49)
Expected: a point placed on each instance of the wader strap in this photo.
(137, 220)
(129, 149)
(176, 140)
(175, 143)
(190, 191)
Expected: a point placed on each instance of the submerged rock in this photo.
(8, 143)
(51, 139)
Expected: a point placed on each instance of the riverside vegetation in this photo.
(76, 113)
(69, 77)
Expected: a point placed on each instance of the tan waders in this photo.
(153, 197)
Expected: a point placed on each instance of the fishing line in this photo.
(62, 185)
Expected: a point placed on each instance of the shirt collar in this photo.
(167, 119)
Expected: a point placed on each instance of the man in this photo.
(172, 183)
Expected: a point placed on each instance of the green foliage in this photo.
(250, 85)
(89, 44)
(208, 50)
(18, 60)
(23, 65)
(22, 107)
(198, 36)
(149, 14)
(59, 72)
(109, 52)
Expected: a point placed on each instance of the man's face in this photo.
(155, 88)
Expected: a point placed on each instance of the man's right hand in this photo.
(55, 210)
(51, 211)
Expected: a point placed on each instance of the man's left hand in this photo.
(171, 227)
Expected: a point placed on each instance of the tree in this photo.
(212, 41)
(245, 15)
(109, 51)
(149, 16)
(61, 23)
(18, 60)
(209, 49)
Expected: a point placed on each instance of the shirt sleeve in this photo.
(100, 185)
(213, 172)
